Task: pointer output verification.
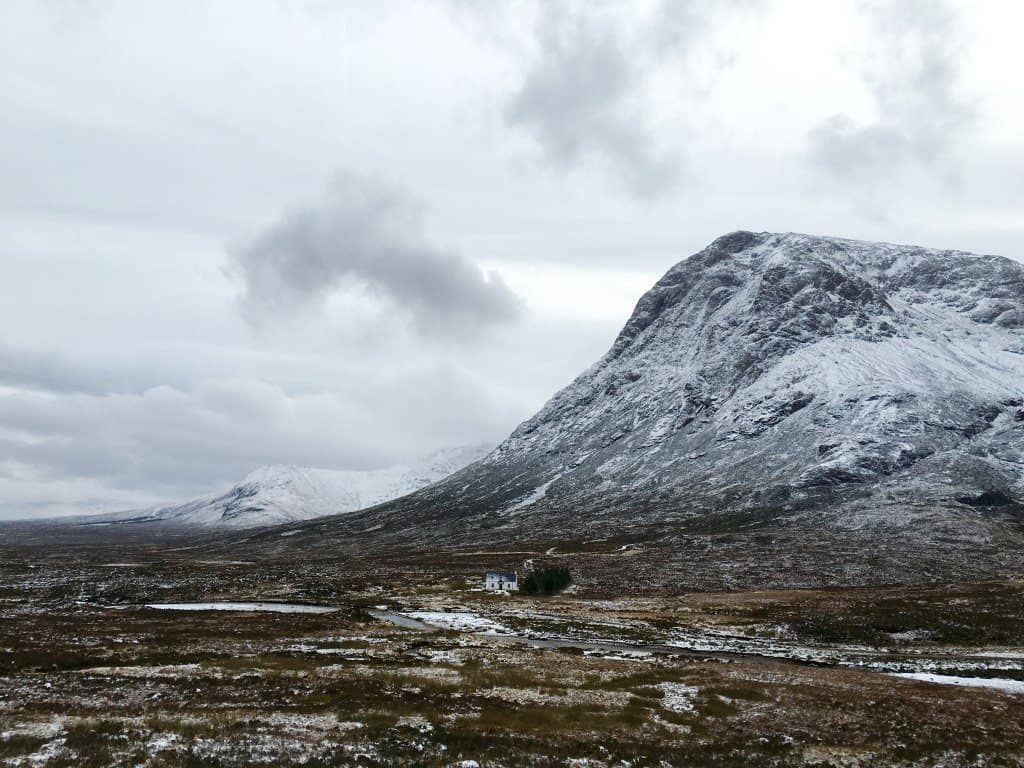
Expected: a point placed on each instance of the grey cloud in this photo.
(132, 147)
(583, 95)
(913, 79)
(50, 371)
(575, 100)
(168, 443)
(365, 233)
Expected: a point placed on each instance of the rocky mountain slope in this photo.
(778, 364)
(853, 409)
(280, 494)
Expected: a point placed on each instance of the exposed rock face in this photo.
(785, 383)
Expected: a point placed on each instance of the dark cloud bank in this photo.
(365, 233)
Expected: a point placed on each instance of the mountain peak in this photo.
(745, 359)
(282, 493)
(795, 283)
(778, 409)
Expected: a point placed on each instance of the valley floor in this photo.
(418, 666)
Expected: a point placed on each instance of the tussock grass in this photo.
(261, 696)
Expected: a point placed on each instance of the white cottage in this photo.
(501, 581)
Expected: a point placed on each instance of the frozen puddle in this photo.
(999, 683)
(228, 606)
(460, 621)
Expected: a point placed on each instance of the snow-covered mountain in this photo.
(775, 364)
(281, 494)
(827, 395)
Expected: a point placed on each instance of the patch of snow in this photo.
(162, 742)
(621, 655)
(417, 722)
(910, 635)
(233, 606)
(166, 670)
(533, 496)
(999, 683)
(460, 621)
(678, 697)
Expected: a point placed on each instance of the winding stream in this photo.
(955, 669)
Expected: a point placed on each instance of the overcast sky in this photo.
(342, 234)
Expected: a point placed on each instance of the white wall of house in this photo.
(501, 582)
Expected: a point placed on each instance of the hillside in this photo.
(279, 494)
(779, 408)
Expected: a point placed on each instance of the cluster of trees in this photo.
(545, 580)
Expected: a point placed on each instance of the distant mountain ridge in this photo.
(277, 494)
(857, 407)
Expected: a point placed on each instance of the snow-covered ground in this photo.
(1000, 684)
(234, 606)
(460, 621)
(678, 697)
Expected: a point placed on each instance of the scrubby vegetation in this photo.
(86, 682)
(546, 580)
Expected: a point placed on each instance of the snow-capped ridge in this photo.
(283, 493)
(743, 360)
